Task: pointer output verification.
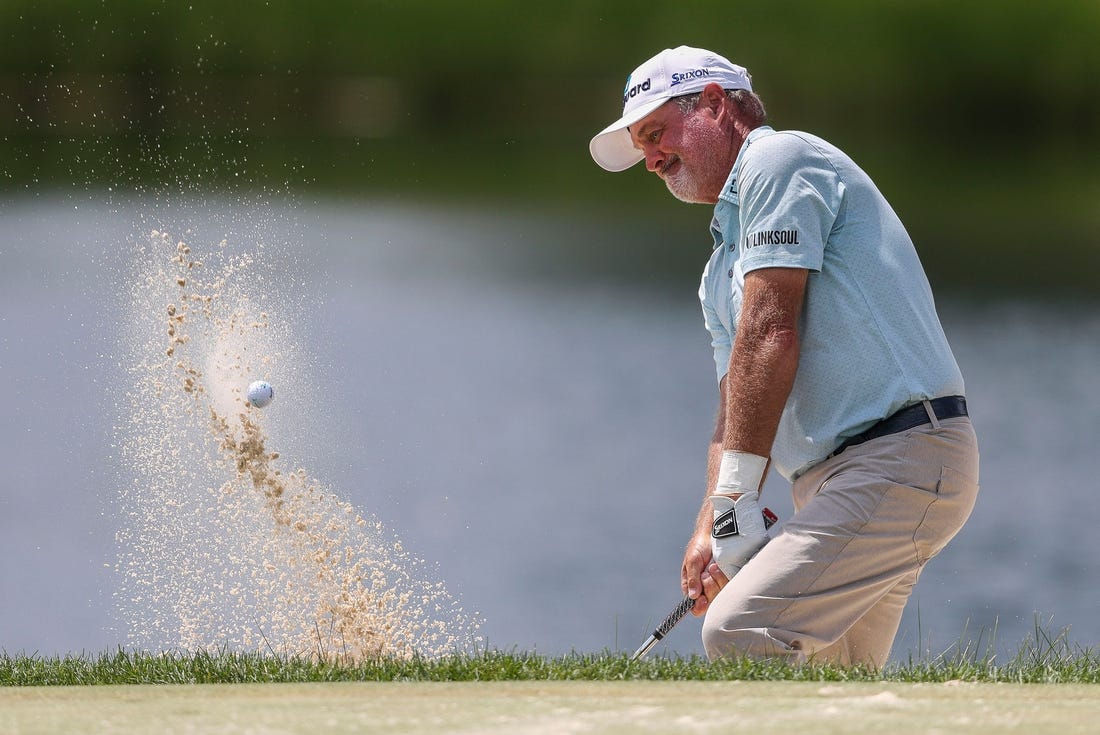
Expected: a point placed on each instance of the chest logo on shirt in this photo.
(771, 237)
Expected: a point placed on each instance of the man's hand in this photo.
(738, 531)
(697, 556)
(710, 562)
(706, 582)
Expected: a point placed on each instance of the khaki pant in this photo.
(831, 586)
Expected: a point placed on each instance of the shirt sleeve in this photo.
(720, 334)
(790, 198)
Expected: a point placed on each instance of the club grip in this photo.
(674, 617)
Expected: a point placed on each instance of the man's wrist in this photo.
(740, 472)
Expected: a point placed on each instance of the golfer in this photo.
(832, 367)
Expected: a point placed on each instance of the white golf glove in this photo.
(738, 531)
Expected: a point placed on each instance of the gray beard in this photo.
(685, 187)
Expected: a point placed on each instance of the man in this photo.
(832, 366)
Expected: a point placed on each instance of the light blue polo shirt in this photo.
(871, 341)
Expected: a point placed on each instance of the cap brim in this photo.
(612, 147)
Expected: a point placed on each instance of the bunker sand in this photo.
(554, 707)
(222, 542)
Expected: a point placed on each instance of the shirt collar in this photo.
(729, 190)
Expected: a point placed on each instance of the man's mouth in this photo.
(672, 161)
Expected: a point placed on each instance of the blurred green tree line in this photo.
(980, 120)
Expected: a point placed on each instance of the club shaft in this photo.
(662, 630)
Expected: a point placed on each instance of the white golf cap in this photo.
(671, 73)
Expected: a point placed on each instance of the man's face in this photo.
(691, 153)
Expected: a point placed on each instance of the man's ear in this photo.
(712, 98)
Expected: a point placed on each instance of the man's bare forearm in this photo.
(764, 360)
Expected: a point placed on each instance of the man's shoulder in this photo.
(770, 145)
(782, 155)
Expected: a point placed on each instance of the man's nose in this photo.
(654, 158)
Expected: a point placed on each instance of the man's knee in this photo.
(722, 641)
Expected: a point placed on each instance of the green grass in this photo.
(1044, 659)
(964, 691)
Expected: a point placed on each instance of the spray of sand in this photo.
(221, 544)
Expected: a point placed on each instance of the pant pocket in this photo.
(956, 494)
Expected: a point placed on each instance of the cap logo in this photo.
(679, 77)
(637, 89)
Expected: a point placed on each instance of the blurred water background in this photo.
(509, 362)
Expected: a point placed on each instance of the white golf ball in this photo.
(260, 393)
